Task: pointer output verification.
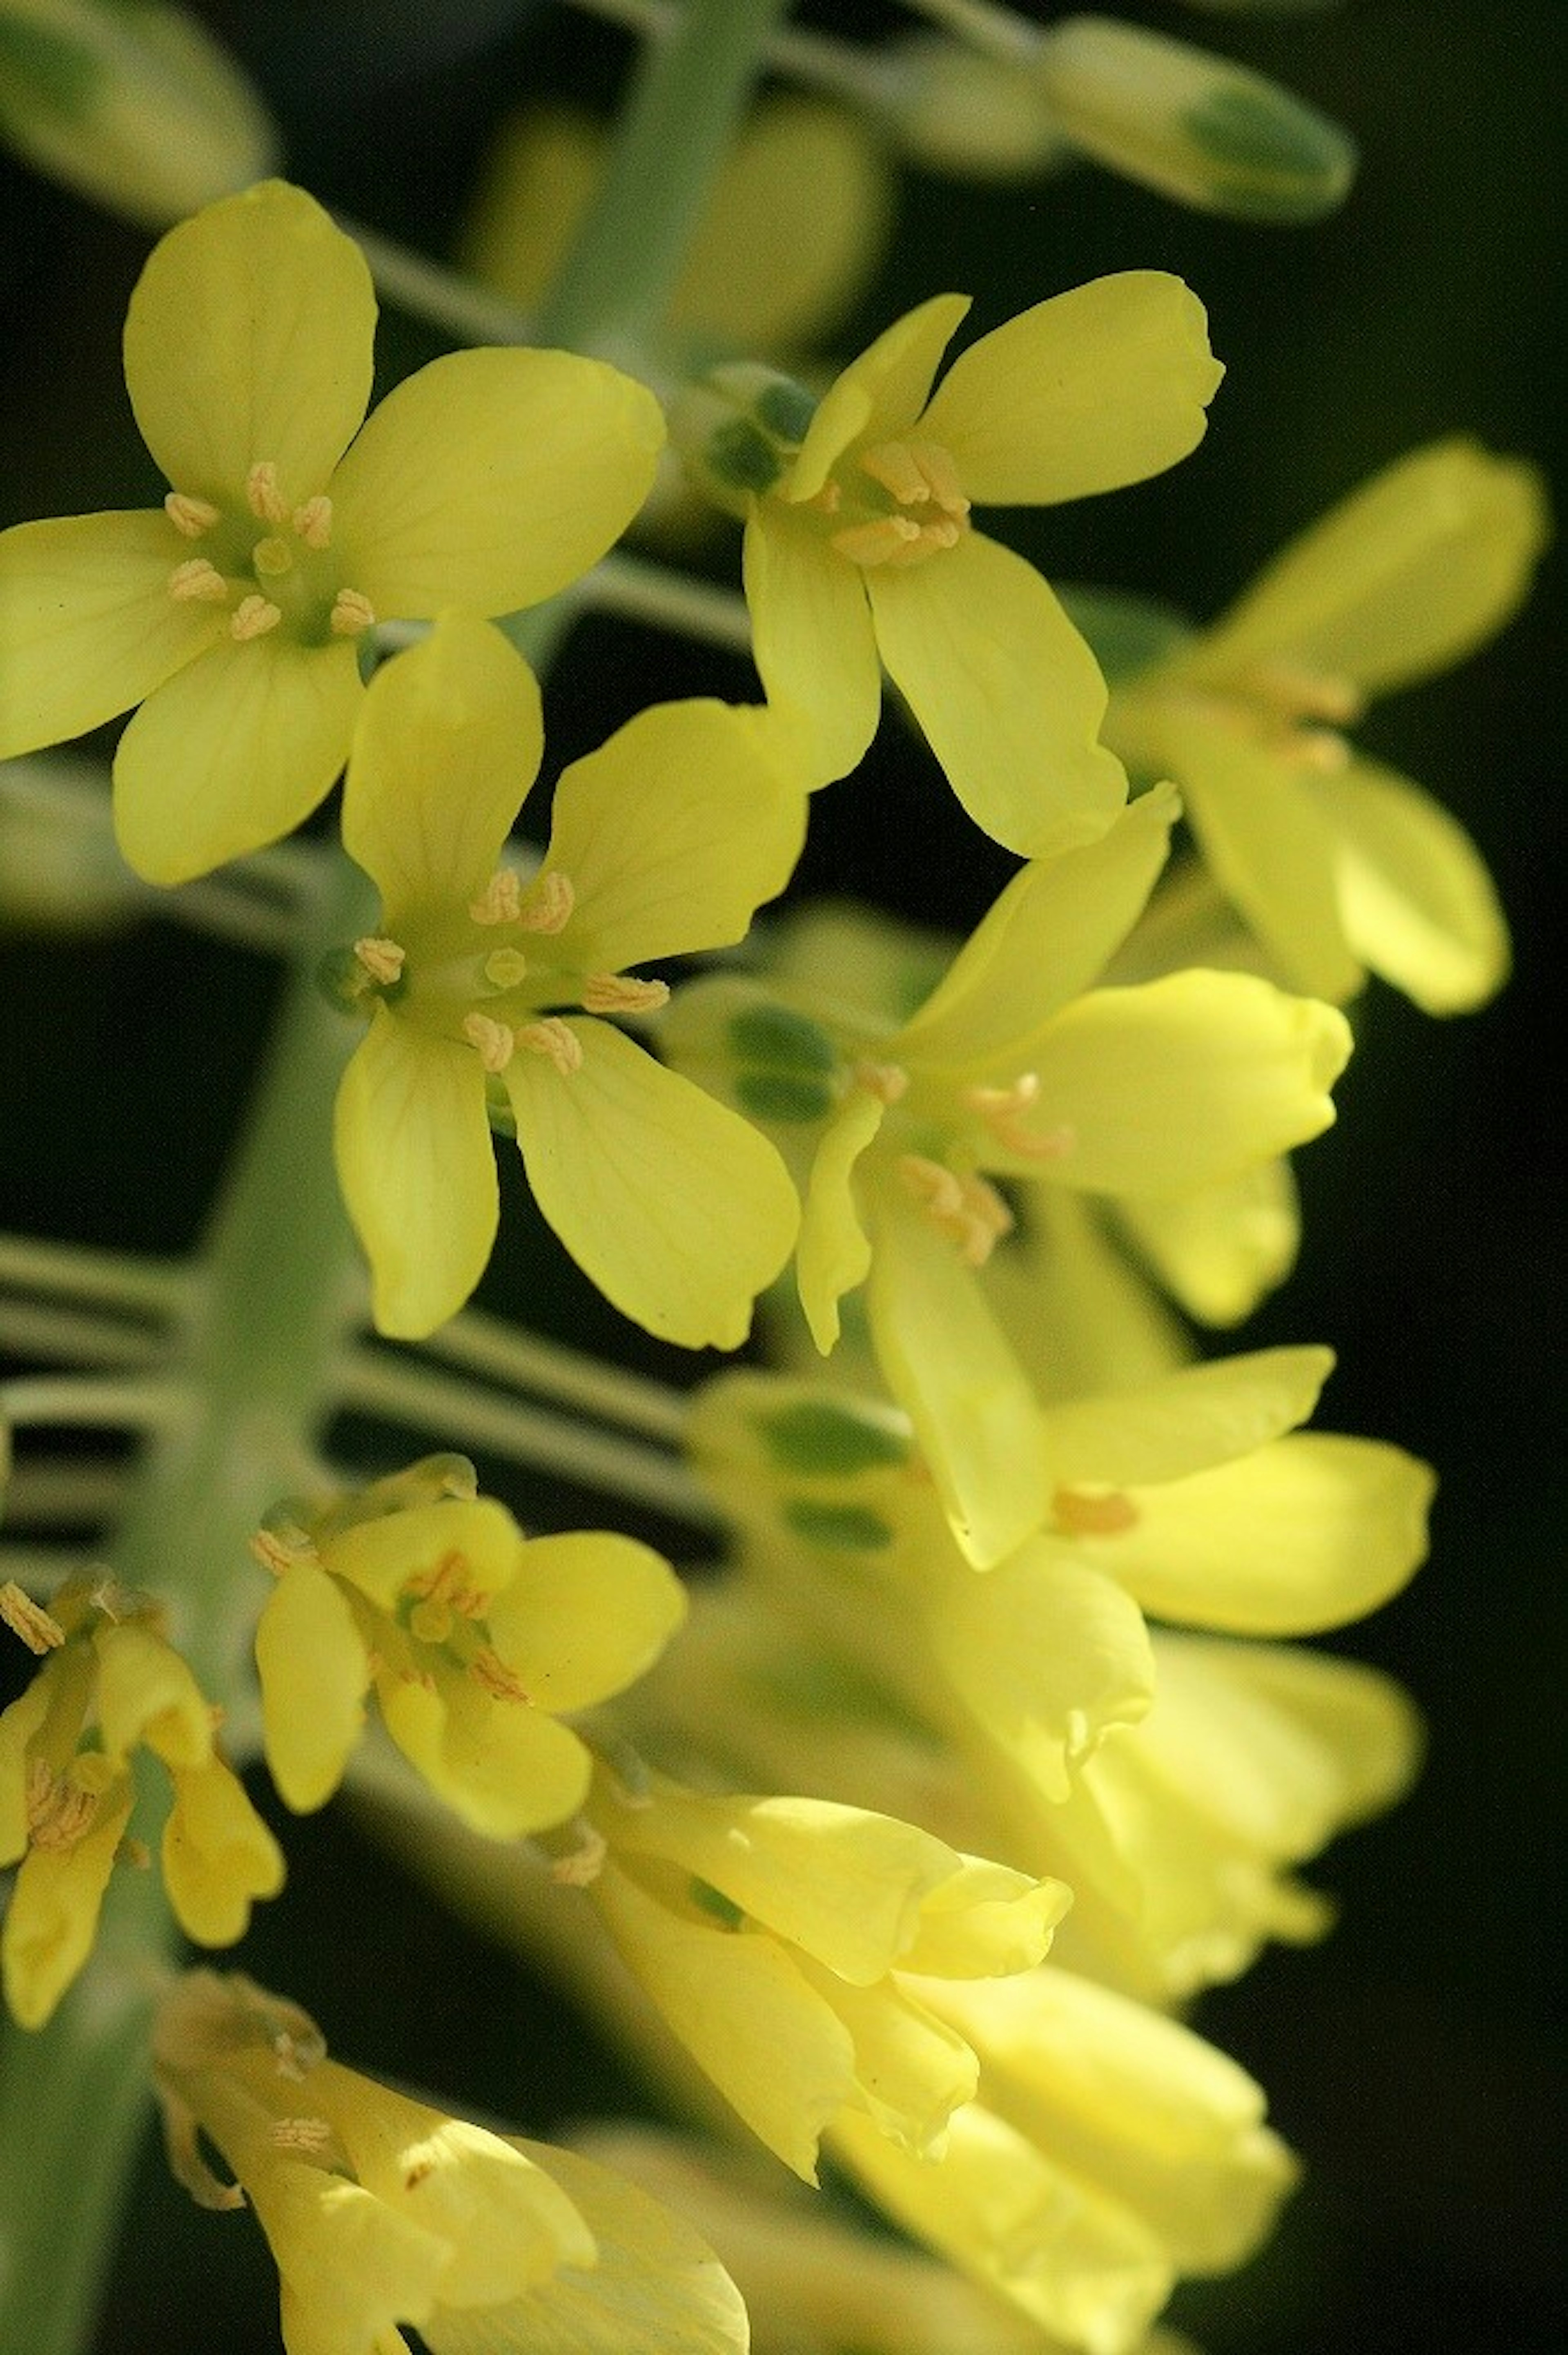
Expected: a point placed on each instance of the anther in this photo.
(311, 2135)
(968, 1209)
(1004, 1111)
(582, 1865)
(190, 516)
(886, 1081)
(196, 581)
(262, 496)
(253, 617)
(60, 1810)
(314, 522)
(37, 1630)
(495, 1678)
(272, 557)
(351, 613)
(623, 993)
(1300, 693)
(383, 960)
(1093, 1512)
(556, 1040)
(493, 1041)
(278, 1553)
(548, 906)
(499, 902)
(882, 542)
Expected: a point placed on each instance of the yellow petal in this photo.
(675, 831)
(1308, 1533)
(1009, 695)
(1201, 1416)
(1100, 387)
(988, 1920)
(1416, 897)
(249, 339)
(447, 742)
(833, 1254)
(230, 752)
(947, 1363)
(1413, 570)
(1183, 1082)
(1222, 1250)
(584, 1613)
(545, 165)
(312, 1661)
(52, 1918)
(505, 1768)
(812, 638)
(912, 2071)
(1043, 941)
(87, 625)
(881, 394)
(491, 479)
(417, 1174)
(146, 1693)
(216, 1855)
(676, 1207)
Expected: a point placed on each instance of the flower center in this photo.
(899, 503)
(270, 566)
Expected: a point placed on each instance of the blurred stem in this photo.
(485, 1345)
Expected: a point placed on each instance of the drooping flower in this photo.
(898, 1132)
(487, 993)
(1337, 863)
(490, 479)
(860, 553)
(476, 1639)
(112, 1684)
(380, 2210)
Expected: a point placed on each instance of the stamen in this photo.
(497, 1680)
(581, 1866)
(500, 901)
(548, 906)
(253, 617)
(197, 580)
(383, 960)
(1321, 749)
(272, 557)
(37, 1630)
(556, 1040)
(135, 1853)
(968, 1209)
(314, 522)
(493, 1041)
(60, 1810)
(1003, 1109)
(1093, 1512)
(1297, 692)
(278, 1553)
(312, 2136)
(877, 543)
(351, 613)
(190, 516)
(886, 1082)
(262, 496)
(445, 1583)
(892, 464)
(623, 993)
(504, 968)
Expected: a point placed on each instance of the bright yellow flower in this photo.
(380, 2210)
(484, 991)
(232, 615)
(476, 1639)
(773, 1935)
(860, 553)
(109, 1685)
(1337, 863)
(1005, 1072)
(1109, 2151)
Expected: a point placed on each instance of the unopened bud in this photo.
(738, 430)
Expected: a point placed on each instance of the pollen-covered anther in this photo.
(310, 2135)
(253, 617)
(886, 1081)
(60, 1810)
(351, 613)
(445, 1584)
(501, 899)
(556, 1040)
(314, 522)
(548, 906)
(490, 1671)
(37, 1630)
(278, 1553)
(383, 960)
(197, 583)
(1093, 1512)
(968, 1208)
(917, 474)
(262, 497)
(272, 557)
(623, 993)
(493, 1042)
(582, 1865)
(1004, 1112)
(1323, 751)
(1296, 692)
(190, 516)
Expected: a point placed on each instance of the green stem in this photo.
(114, 1279)
(486, 1345)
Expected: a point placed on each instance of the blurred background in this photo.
(1416, 2061)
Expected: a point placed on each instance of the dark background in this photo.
(1415, 2060)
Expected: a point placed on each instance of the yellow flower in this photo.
(773, 1935)
(380, 2210)
(663, 841)
(477, 1641)
(1336, 862)
(860, 552)
(109, 1685)
(232, 615)
(898, 1132)
(1109, 2150)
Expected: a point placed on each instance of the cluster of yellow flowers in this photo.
(902, 1838)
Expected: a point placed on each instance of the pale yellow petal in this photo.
(87, 625)
(988, 1920)
(1182, 1083)
(545, 163)
(217, 1856)
(584, 1613)
(675, 831)
(1411, 572)
(880, 394)
(812, 638)
(833, 1254)
(506, 1769)
(678, 1209)
(1222, 1250)
(231, 752)
(491, 479)
(314, 1673)
(51, 1919)
(447, 742)
(1082, 1318)
(1099, 387)
(417, 1173)
(1009, 695)
(1416, 897)
(249, 340)
(1198, 1417)
(949, 1364)
(912, 2071)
